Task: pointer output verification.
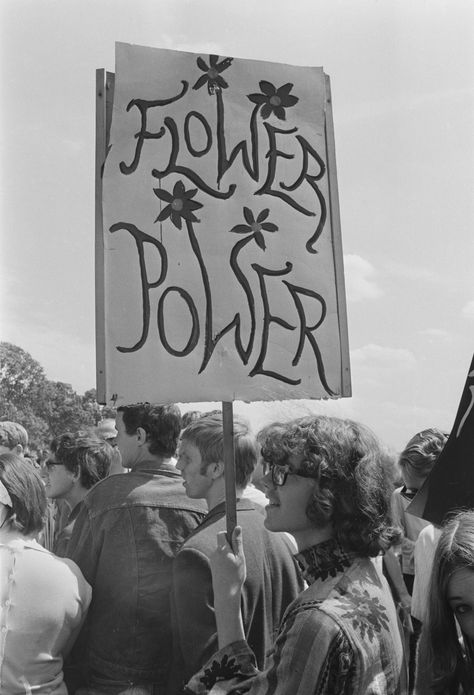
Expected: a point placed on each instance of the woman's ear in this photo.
(320, 506)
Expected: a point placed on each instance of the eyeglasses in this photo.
(49, 464)
(280, 473)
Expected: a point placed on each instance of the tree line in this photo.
(45, 408)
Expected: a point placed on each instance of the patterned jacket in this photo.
(339, 637)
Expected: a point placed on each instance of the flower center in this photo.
(177, 204)
(256, 227)
(275, 101)
(212, 73)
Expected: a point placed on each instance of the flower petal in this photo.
(260, 240)
(213, 60)
(176, 219)
(200, 82)
(191, 205)
(188, 215)
(248, 214)
(289, 100)
(263, 215)
(179, 190)
(166, 212)
(163, 195)
(201, 64)
(285, 90)
(257, 98)
(279, 112)
(224, 64)
(269, 227)
(191, 193)
(221, 82)
(267, 88)
(241, 229)
(266, 111)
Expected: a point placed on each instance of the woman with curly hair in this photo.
(446, 651)
(326, 486)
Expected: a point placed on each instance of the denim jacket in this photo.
(124, 540)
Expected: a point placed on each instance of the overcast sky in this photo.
(402, 79)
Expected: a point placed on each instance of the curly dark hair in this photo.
(162, 424)
(346, 459)
(85, 452)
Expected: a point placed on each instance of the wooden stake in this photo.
(229, 469)
(103, 118)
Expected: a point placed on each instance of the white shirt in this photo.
(43, 602)
(425, 548)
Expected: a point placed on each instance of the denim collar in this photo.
(157, 466)
(327, 559)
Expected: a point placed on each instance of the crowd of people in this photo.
(117, 576)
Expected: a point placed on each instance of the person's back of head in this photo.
(22, 496)
(85, 453)
(105, 429)
(419, 456)
(161, 423)
(13, 437)
(449, 663)
(207, 434)
(189, 417)
(344, 457)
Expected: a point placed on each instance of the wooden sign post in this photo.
(229, 469)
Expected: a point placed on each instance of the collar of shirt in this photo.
(157, 466)
(324, 560)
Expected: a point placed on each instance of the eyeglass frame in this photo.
(285, 474)
(48, 463)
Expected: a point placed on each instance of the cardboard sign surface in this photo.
(221, 257)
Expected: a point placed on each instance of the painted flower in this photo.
(180, 206)
(220, 671)
(368, 615)
(274, 100)
(212, 74)
(255, 226)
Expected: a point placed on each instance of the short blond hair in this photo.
(12, 434)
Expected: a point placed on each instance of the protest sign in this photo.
(219, 257)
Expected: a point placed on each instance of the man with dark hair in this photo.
(125, 538)
(78, 460)
(272, 580)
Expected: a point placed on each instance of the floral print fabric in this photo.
(340, 636)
